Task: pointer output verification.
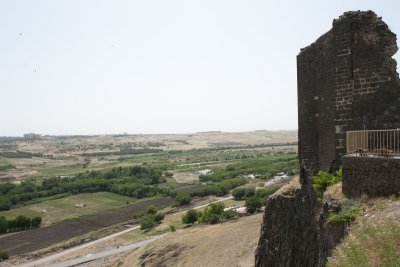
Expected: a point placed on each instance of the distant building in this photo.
(32, 136)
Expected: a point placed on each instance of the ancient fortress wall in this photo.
(347, 80)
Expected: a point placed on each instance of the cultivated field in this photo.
(68, 155)
(56, 210)
(28, 241)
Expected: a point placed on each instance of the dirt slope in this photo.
(227, 244)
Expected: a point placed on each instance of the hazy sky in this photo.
(96, 67)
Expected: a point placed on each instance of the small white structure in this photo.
(237, 209)
(205, 171)
(241, 210)
(281, 175)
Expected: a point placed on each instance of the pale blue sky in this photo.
(96, 67)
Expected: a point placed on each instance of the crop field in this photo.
(5, 164)
(61, 209)
(28, 241)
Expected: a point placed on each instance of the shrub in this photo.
(323, 179)
(190, 217)
(36, 222)
(151, 209)
(239, 193)
(147, 222)
(349, 213)
(3, 255)
(250, 191)
(212, 213)
(172, 228)
(183, 199)
(264, 193)
(3, 225)
(5, 204)
(214, 218)
(253, 204)
(159, 217)
(230, 215)
(217, 208)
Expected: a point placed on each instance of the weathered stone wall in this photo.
(288, 234)
(370, 175)
(347, 80)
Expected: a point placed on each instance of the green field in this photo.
(5, 164)
(64, 208)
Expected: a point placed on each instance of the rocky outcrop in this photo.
(289, 231)
(295, 231)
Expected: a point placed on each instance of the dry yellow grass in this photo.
(228, 244)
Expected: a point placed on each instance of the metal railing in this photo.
(383, 143)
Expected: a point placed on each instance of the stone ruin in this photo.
(347, 80)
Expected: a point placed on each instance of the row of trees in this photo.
(20, 223)
(219, 188)
(247, 192)
(138, 182)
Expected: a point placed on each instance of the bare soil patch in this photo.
(186, 177)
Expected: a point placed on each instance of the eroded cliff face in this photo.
(289, 230)
(347, 80)
(295, 231)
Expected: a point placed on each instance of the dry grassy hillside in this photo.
(228, 244)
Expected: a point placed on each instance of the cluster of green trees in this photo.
(20, 223)
(138, 182)
(215, 212)
(212, 214)
(151, 219)
(265, 167)
(219, 188)
(246, 192)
